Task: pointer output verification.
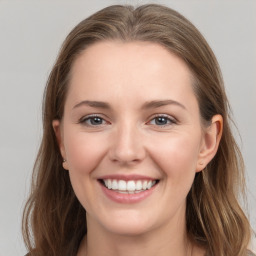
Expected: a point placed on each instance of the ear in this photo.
(210, 142)
(59, 136)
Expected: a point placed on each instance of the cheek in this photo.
(84, 152)
(177, 157)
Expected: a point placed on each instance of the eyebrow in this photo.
(93, 104)
(147, 105)
(161, 103)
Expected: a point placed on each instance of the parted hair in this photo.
(54, 221)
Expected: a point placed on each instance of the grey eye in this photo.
(161, 120)
(94, 121)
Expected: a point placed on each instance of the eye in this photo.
(162, 120)
(93, 120)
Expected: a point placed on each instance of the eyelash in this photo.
(83, 120)
(167, 118)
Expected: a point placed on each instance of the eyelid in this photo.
(170, 118)
(86, 117)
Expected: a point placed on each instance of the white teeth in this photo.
(138, 185)
(121, 185)
(108, 183)
(130, 186)
(114, 184)
(149, 184)
(144, 185)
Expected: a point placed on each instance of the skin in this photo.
(128, 140)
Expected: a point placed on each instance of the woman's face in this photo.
(131, 136)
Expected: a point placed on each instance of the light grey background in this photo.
(31, 33)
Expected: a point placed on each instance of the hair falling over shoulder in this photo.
(54, 220)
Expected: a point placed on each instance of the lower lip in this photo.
(127, 198)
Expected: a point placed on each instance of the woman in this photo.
(137, 154)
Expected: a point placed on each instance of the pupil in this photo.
(96, 120)
(161, 120)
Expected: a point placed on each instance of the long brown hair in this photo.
(54, 221)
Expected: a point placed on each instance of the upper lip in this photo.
(126, 177)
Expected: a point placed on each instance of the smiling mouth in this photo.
(129, 186)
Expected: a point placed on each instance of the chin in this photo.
(128, 229)
(129, 223)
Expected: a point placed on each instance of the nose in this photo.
(127, 145)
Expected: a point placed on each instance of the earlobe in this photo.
(210, 143)
(57, 130)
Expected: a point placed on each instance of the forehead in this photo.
(117, 54)
(132, 69)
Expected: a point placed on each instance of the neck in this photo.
(167, 240)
